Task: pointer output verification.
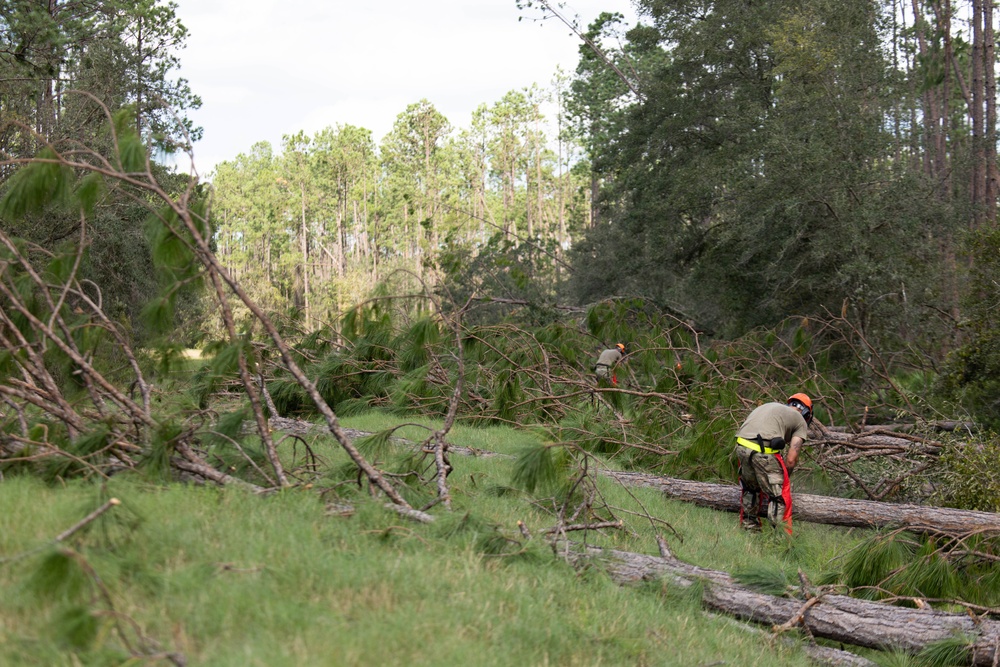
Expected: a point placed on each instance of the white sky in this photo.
(265, 68)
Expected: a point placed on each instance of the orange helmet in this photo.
(621, 347)
(803, 404)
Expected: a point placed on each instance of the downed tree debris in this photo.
(824, 509)
(303, 428)
(812, 508)
(903, 457)
(940, 425)
(876, 442)
(836, 617)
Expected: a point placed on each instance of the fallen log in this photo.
(941, 425)
(875, 441)
(835, 617)
(811, 508)
(825, 509)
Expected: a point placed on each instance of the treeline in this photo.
(802, 157)
(122, 52)
(735, 164)
(741, 163)
(317, 225)
(65, 66)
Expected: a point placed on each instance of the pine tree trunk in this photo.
(836, 617)
(929, 115)
(989, 58)
(823, 509)
(305, 259)
(978, 147)
(941, 149)
(538, 177)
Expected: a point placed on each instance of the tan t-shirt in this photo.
(609, 357)
(772, 420)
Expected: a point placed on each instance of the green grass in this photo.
(228, 578)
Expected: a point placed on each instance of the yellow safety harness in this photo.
(750, 444)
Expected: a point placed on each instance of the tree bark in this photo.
(941, 425)
(878, 439)
(824, 509)
(989, 58)
(930, 115)
(978, 120)
(836, 617)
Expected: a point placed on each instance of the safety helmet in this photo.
(803, 404)
(621, 347)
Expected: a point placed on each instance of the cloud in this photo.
(265, 68)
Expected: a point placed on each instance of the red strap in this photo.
(786, 495)
(739, 480)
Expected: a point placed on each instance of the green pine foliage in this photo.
(970, 476)
(89, 191)
(930, 574)
(222, 367)
(587, 430)
(969, 377)
(377, 446)
(909, 566)
(84, 455)
(245, 462)
(737, 194)
(289, 397)
(764, 579)
(678, 402)
(59, 577)
(230, 425)
(157, 462)
(77, 627)
(45, 182)
(870, 564)
(131, 153)
(542, 467)
(897, 658)
(952, 652)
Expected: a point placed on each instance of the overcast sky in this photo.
(265, 68)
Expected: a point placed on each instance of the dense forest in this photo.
(755, 198)
(735, 165)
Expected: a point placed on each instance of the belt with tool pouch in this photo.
(758, 445)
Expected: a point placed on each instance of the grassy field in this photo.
(226, 578)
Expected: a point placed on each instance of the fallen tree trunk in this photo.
(825, 509)
(874, 442)
(811, 508)
(836, 617)
(906, 455)
(942, 425)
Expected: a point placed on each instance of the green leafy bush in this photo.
(971, 477)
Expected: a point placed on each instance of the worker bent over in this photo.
(764, 470)
(607, 363)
